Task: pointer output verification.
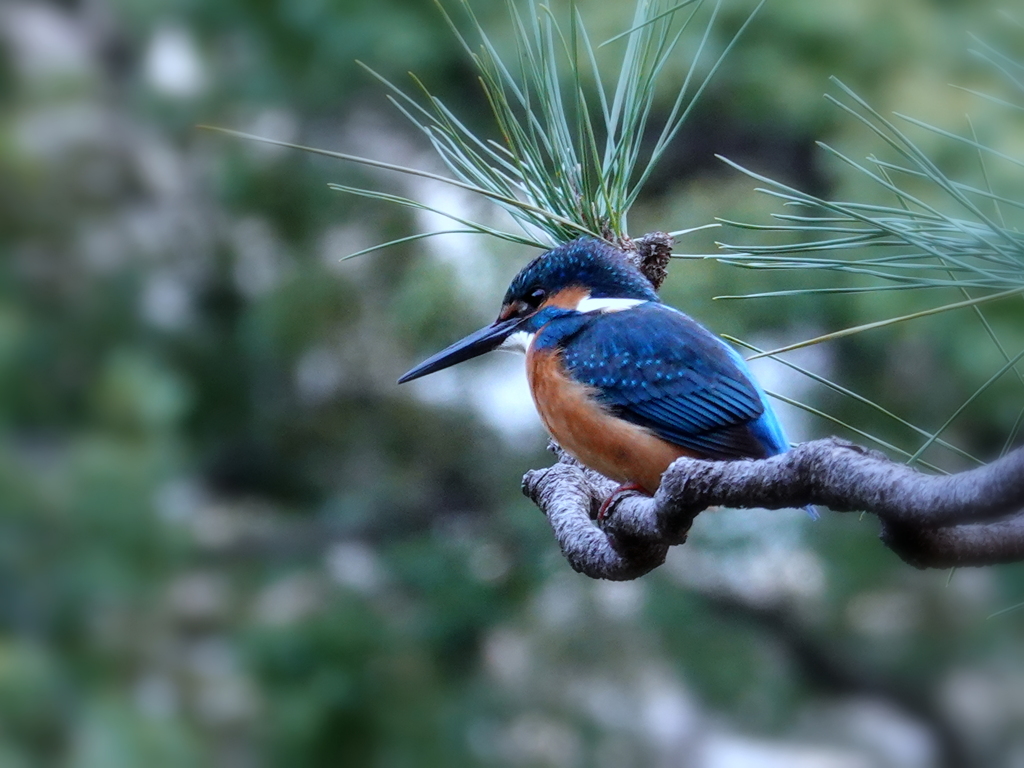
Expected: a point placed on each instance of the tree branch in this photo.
(570, 495)
(970, 519)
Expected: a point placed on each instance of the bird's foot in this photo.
(615, 498)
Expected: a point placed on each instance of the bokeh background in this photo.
(227, 538)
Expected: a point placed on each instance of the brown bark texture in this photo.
(973, 518)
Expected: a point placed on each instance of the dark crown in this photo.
(593, 264)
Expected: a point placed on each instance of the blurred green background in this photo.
(227, 538)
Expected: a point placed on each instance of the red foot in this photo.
(616, 497)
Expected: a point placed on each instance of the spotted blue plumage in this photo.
(655, 367)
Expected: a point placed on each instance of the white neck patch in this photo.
(606, 305)
(519, 341)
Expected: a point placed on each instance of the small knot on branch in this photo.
(651, 254)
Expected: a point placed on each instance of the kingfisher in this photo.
(623, 382)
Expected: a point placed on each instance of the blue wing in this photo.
(654, 366)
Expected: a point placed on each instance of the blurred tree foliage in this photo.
(227, 538)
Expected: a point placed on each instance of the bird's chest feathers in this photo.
(614, 447)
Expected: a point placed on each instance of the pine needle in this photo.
(567, 155)
(940, 234)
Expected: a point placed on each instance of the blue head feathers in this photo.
(603, 269)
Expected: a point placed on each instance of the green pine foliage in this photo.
(959, 243)
(570, 154)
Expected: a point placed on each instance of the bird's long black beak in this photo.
(473, 345)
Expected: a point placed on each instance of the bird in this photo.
(623, 382)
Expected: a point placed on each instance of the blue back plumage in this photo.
(655, 367)
(769, 430)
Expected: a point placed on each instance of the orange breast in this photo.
(617, 449)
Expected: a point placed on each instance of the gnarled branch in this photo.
(969, 519)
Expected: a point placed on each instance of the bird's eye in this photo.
(536, 297)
